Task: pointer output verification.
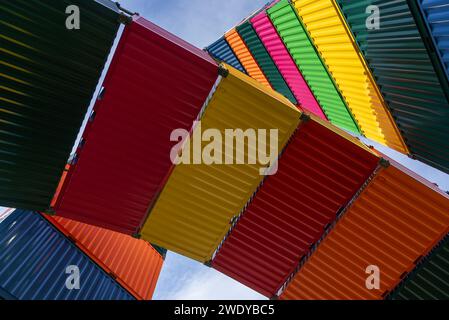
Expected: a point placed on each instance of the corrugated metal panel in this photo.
(156, 83)
(430, 280)
(406, 77)
(292, 32)
(287, 67)
(260, 54)
(436, 13)
(47, 77)
(319, 172)
(195, 208)
(135, 263)
(245, 57)
(333, 40)
(396, 219)
(221, 50)
(33, 261)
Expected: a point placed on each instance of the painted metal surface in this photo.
(156, 83)
(284, 62)
(436, 16)
(430, 279)
(320, 170)
(398, 57)
(221, 50)
(245, 57)
(48, 75)
(33, 261)
(397, 219)
(135, 264)
(198, 202)
(263, 59)
(293, 34)
(333, 40)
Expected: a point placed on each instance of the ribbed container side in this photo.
(241, 51)
(301, 48)
(430, 279)
(195, 208)
(334, 42)
(285, 64)
(156, 83)
(48, 75)
(134, 263)
(403, 69)
(33, 261)
(221, 50)
(397, 219)
(262, 57)
(319, 172)
(436, 13)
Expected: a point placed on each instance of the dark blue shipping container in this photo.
(436, 15)
(33, 261)
(221, 50)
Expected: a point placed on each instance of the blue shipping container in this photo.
(34, 257)
(436, 13)
(221, 50)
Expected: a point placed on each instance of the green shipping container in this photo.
(430, 279)
(298, 43)
(263, 58)
(48, 75)
(399, 54)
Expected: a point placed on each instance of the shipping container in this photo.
(398, 57)
(134, 263)
(245, 57)
(430, 279)
(320, 170)
(435, 16)
(195, 208)
(263, 59)
(221, 50)
(284, 62)
(396, 219)
(48, 75)
(333, 40)
(156, 83)
(293, 34)
(37, 262)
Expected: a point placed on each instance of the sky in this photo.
(201, 22)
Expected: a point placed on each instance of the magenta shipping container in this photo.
(287, 67)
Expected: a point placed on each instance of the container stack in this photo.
(306, 213)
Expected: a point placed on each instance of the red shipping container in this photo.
(320, 171)
(134, 263)
(156, 83)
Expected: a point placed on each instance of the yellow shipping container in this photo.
(196, 206)
(333, 39)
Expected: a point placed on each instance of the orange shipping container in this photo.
(245, 57)
(398, 218)
(134, 263)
